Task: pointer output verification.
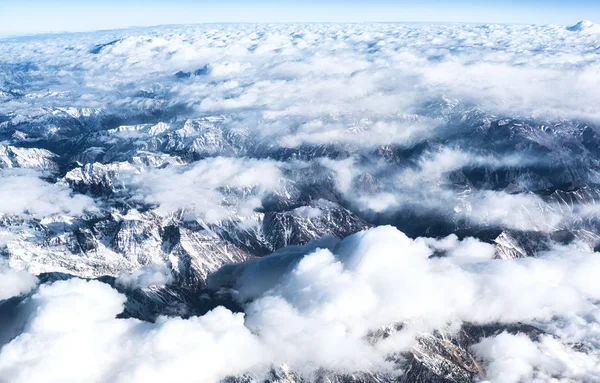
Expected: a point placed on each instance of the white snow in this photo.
(585, 26)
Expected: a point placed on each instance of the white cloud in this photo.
(365, 88)
(426, 187)
(24, 192)
(314, 311)
(155, 275)
(517, 211)
(362, 133)
(362, 87)
(516, 358)
(466, 250)
(72, 335)
(381, 277)
(212, 189)
(14, 283)
(383, 73)
(307, 212)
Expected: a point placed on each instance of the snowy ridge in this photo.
(585, 26)
(301, 203)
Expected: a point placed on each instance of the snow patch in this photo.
(585, 26)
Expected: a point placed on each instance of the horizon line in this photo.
(133, 27)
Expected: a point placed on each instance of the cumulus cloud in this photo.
(14, 283)
(24, 192)
(72, 335)
(313, 308)
(361, 88)
(467, 250)
(385, 97)
(383, 257)
(155, 275)
(516, 358)
(381, 277)
(370, 78)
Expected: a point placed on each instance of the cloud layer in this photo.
(366, 72)
(183, 141)
(317, 313)
(358, 93)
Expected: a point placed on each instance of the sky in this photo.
(19, 17)
(351, 100)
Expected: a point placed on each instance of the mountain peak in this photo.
(585, 26)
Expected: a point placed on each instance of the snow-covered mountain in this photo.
(585, 26)
(235, 182)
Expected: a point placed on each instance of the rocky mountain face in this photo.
(439, 358)
(117, 243)
(194, 188)
(126, 233)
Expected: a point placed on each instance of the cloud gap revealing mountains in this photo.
(286, 203)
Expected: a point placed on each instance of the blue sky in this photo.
(36, 16)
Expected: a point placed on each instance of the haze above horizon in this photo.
(37, 16)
